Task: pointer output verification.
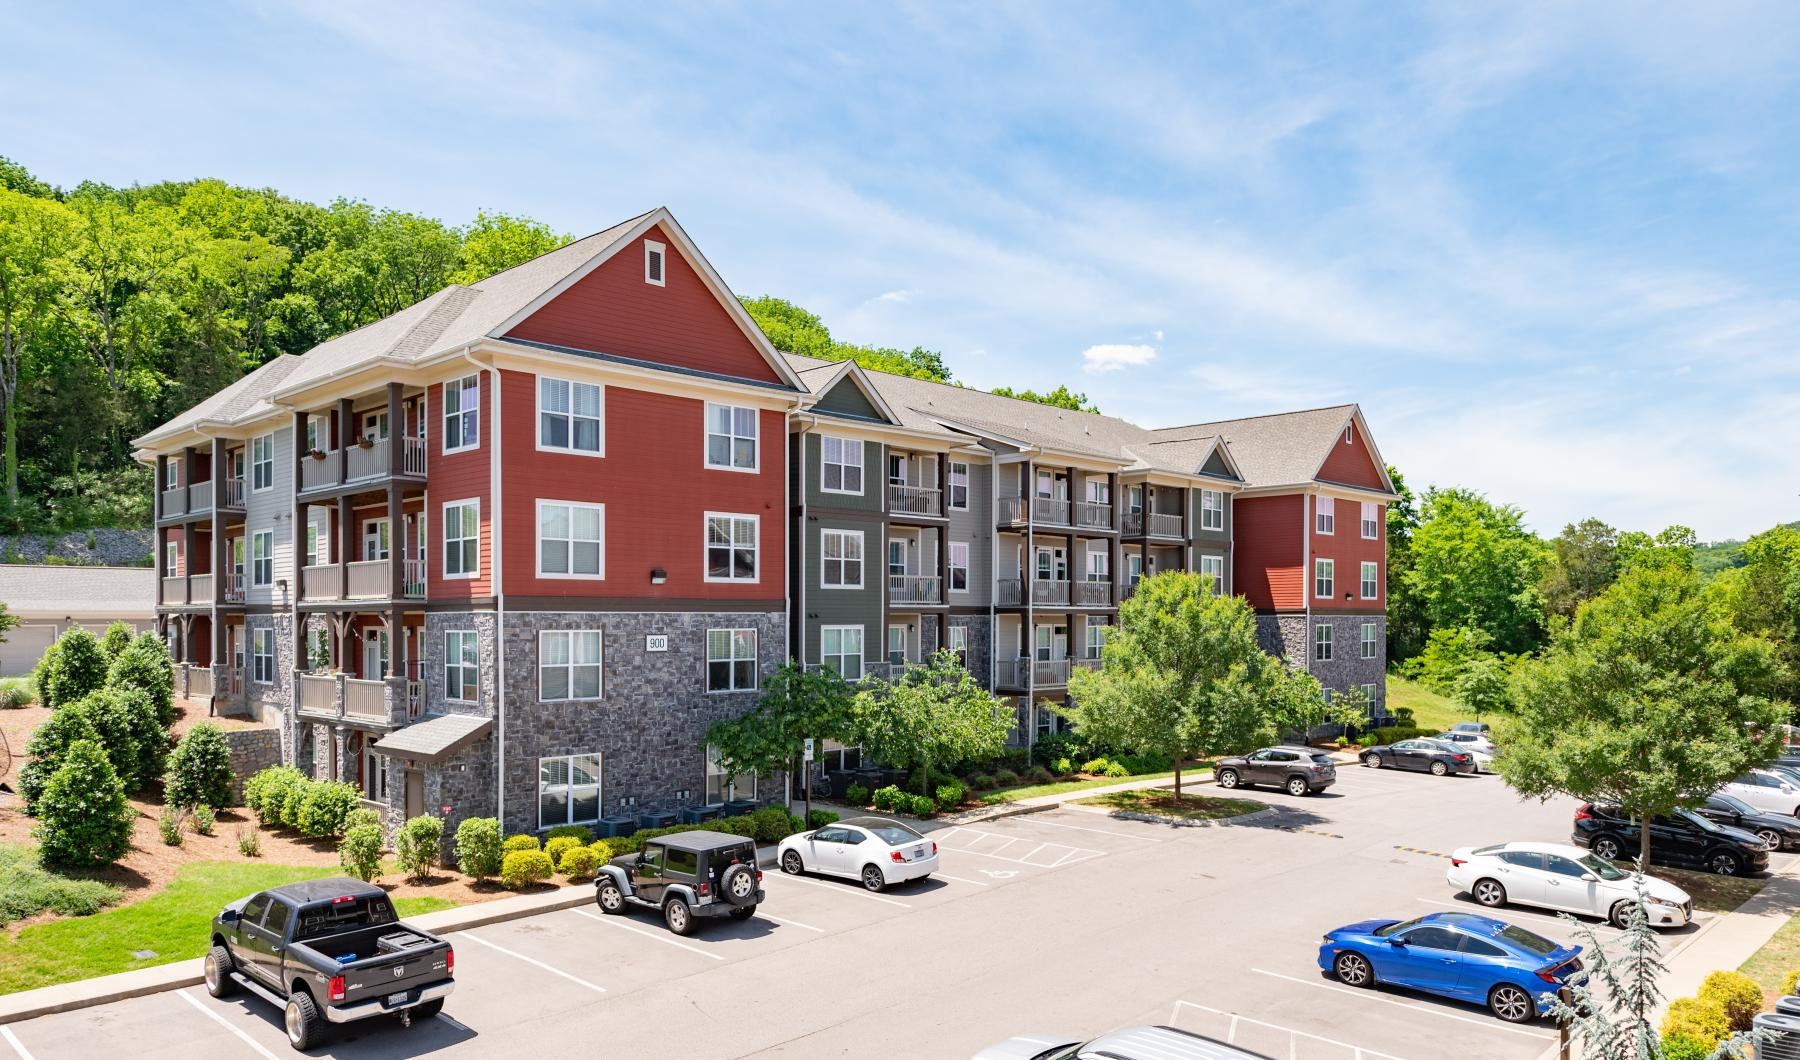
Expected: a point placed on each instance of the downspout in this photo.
(797, 527)
(1306, 575)
(495, 524)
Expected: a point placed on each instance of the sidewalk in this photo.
(1731, 938)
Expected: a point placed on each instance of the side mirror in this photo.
(1397, 942)
(229, 916)
(1588, 877)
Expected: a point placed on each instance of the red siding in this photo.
(1267, 552)
(455, 477)
(656, 489)
(1348, 549)
(612, 310)
(1351, 464)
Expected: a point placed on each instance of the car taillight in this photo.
(934, 850)
(336, 988)
(1584, 812)
(450, 963)
(705, 888)
(1457, 862)
(759, 874)
(1462, 758)
(896, 856)
(1548, 975)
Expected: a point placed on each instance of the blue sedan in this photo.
(1459, 955)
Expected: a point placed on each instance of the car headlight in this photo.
(1665, 902)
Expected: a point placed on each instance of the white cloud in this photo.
(895, 296)
(1113, 357)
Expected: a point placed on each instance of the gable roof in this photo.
(1284, 448)
(246, 399)
(821, 380)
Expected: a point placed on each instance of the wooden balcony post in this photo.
(396, 533)
(396, 437)
(156, 492)
(219, 555)
(346, 532)
(344, 435)
(299, 521)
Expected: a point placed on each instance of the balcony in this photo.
(1008, 592)
(384, 702)
(1160, 524)
(317, 693)
(231, 499)
(174, 590)
(915, 589)
(1049, 673)
(915, 500)
(1049, 591)
(174, 502)
(1049, 511)
(366, 579)
(200, 498)
(365, 699)
(1087, 664)
(1093, 594)
(363, 461)
(200, 589)
(1093, 515)
(323, 582)
(232, 588)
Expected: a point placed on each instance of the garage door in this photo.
(24, 646)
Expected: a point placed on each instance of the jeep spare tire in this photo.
(738, 884)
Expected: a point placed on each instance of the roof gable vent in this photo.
(654, 253)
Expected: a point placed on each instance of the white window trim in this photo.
(861, 466)
(444, 512)
(1206, 522)
(706, 434)
(756, 545)
(862, 558)
(1325, 522)
(467, 445)
(953, 633)
(1369, 645)
(1324, 571)
(270, 438)
(1374, 521)
(260, 633)
(538, 532)
(728, 792)
(861, 648)
(538, 422)
(255, 536)
(599, 786)
(448, 633)
(950, 566)
(651, 246)
(756, 649)
(967, 483)
(1207, 560)
(1365, 581)
(1322, 642)
(599, 664)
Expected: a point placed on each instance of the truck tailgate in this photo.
(388, 975)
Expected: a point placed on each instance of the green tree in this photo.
(1649, 700)
(1475, 564)
(200, 769)
(1062, 397)
(796, 704)
(1483, 686)
(145, 665)
(8, 621)
(1407, 624)
(1298, 704)
(497, 241)
(791, 329)
(1182, 675)
(49, 743)
(84, 820)
(931, 715)
(115, 640)
(34, 235)
(1584, 563)
(1763, 597)
(133, 737)
(71, 668)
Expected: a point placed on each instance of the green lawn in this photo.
(172, 923)
(1162, 803)
(1029, 791)
(1429, 709)
(1778, 956)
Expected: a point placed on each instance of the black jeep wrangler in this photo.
(686, 875)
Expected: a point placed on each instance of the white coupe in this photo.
(875, 850)
(1564, 878)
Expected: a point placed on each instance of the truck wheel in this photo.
(219, 982)
(609, 898)
(304, 1027)
(739, 885)
(428, 1009)
(678, 916)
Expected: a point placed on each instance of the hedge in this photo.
(522, 868)
(478, 852)
(282, 795)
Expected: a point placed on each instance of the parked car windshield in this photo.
(1384, 932)
(1734, 804)
(1599, 867)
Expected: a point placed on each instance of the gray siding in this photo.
(976, 526)
(270, 509)
(846, 607)
(846, 397)
(874, 475)
(1209, 538)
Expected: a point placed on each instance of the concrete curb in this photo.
(1008, 809)
(1179, 822)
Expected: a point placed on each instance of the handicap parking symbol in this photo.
(1000, 874)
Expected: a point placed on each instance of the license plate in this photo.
(398, 999)
(918, 852)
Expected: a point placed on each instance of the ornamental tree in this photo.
(931, 714)
(47, 748)
(200, 769)
(71, 668)
(1649, 699)
(84, 820)
(144, 664)
(796, 705)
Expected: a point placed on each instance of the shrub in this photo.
(1790, 982)
(981, 782)
(522, 868)
(478, 847)
(323, 807)
(603, 849)
(1701, 1019)
(519, 842)
(888, 798)
(581, 833)
(266, 793)
(16, 693)
(359, 852)
(1095, 765)
(555, 845)
(1152, 762)
(71, 668)
(921, 805)
(249, 842)
(135, 742)
(1395, 733)
(1062, 767)
(83, 818)
(293, 807)
(951, 795)
(1051, 746)
(170, 824)
(773, 824)
(115, 640)
(27, 889)
(144, 666)
(626, 844)
(744, 826)
(1038, 775)
(578, 862)
(360, 816)
(856, 795)
(203, 818)
(200, 768)
(1005, 778)
(1681, 1047)
(1737, 994)
(820, 818)
(419, 846)
(47, 748)
(1115, 770)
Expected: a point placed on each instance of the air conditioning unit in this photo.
(1786, 1047)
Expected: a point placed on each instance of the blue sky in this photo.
(1551, 249)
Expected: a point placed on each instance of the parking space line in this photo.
(1087, 855)
(13, 1040)
(1359, 1051)
(223, 1022)
(595, 987)
(790, 923)
(959, 879)
(646, 932)
(858, 893)
(1100, 831)
(1034, 850)
(1365, 995)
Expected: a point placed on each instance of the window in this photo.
(1371, 580)
(1134, 500)
(1325, 514)
(1371, 520)
(959, 566)
(171, 559)
(1432, 938)
(276, 923)
(1471, 944)
(569, 416)
(317, 553)
(956, 639)
(262, 655)
(571, 540)
(374, 775)
(841, 649)
(1371, 644)
(1323, 577)
(730, 547)
(1349, 435)
(1096, 639)
(1322, 643)
(318, 649)
(1215, 566)
(1369, 697)
(730, 437)
(262, 557)
(237, 556)
(959, 485)
(730, 660)
(896, 645)
(312, 434)
(841, 559)
(843, 465)
(717, 789)
(375, 425)
(462, 413)
(462, 665)
(568, 790)
(1099, 491)
(1212, 510)
(1099, 564)
(375, 539)
(462, 539)
(171, 474)
(654, 255)
(1134, 568)
(568, 664)
(262, 462)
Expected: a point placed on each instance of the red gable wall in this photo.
(1351, 464)
(1268, 552)
(612, 310)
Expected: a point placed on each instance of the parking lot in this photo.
(1069, 922)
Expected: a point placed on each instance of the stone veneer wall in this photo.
(981, 645)
(251, 750)
(1290, 636)
(485, 623)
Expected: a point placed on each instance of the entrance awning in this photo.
(434, 740)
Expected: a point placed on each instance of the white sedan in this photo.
(875, 850)
(1564, 878)
(1765, 791)
(1470, 741)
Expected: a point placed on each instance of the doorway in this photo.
(375, 654)
(415, 794)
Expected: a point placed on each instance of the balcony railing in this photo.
(1049, 591)
(233, 588)
(1049, 672)
(1010, 510)
(915, 500)
(200, 498)
(1161, 524)
(366, 461)
(412, 455)
(231, 499)
(200, 589)
(413, 579)
(363, 462)
(174, 502)
(1087, 664)
(915, 589)
(318, 693)
(415, 698)
(365, 699)
(174, 590)
(1093, 514)
(323, 582)
(368, 579)
(317, 472)
(1008, 592)
(1093, 594)
(199, 681)
(1050, 511)
(1013, 673)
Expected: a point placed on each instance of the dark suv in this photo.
(687, 875)
(1683, 840)
(1299, 770)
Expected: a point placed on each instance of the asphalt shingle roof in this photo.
(1275, 450)
(77, 592)
(435, 738)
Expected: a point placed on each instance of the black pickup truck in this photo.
(328, 951)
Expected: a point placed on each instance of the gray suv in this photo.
(1297, 770)
(689, 876)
